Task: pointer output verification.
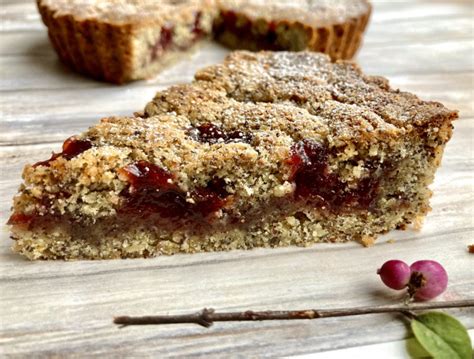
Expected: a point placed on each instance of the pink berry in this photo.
(428, 279)
(395, 274)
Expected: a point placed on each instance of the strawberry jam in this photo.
(72, 147)
(309, 161)
(210, 133)
(143, 175)
(20, 219)
(211, 198)
(196, 29)
(152, 191)
(163, 43)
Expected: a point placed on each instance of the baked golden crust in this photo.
(266, 149)
(124, 40)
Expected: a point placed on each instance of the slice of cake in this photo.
(124, 40)
(264, 150)
(334, 27)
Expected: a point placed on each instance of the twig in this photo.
(409, 314)
(207, 317)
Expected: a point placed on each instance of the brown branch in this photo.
(207, 317)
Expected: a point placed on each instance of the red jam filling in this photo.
(72, 147)
(163, 43)
(152, 191)
(196, 29)
(44, 202)
(144, 175)
(20, 219)
(314, 181)
(210, 133)
(211, 198)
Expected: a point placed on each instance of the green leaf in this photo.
(415, 350)
(442, 336)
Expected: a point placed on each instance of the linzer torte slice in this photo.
(124, 40)
(267, 149)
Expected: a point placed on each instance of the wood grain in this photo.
(65, 308)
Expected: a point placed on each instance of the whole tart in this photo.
(124, 40)
(266, 149)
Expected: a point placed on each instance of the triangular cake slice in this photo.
(264, 150)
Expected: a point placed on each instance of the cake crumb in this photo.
(470, 248)
(367, 241)
(418, 223)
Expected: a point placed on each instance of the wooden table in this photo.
(66, 308)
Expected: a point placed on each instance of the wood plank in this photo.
(391, 12)
(28, 44)
(20, 16)
(393, 60)
(426, 30)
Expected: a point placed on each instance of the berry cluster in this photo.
(425, 279)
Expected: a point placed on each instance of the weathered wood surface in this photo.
(65, 309)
